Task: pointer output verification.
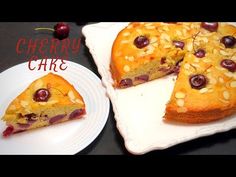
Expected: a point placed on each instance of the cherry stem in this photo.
(207, 68)
(50, 29)
(194, 37)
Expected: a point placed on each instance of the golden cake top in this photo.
(48, 91)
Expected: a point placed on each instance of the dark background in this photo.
(109, 142)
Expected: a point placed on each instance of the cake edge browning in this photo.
(197, 117)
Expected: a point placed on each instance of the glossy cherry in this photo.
(179, 44)
(200, 53)
(210, 26)
(141, 41)
(41, 95)
(228, 41)
(198, 81)
(62, 30)
(228, 64)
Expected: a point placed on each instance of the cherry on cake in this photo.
(203, 54)
(46, 101)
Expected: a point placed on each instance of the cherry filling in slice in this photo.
(56, 118)
(9, 130)
(142, 78)
(77, 113)
(126, 83)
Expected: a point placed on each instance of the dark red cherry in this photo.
(210, 26)
(126, 83)
(31, 117)
(230, 65)
(141, 41)
(143, 78)
(76, 113)
(178, 44)
(41, 95)
(200, 53)
(228, 41)
(56, 118)
(61, 30)
(198, 81)
(8, 131)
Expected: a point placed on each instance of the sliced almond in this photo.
(226, 95)
(79, 101)
(71, 95)
(52, 102)
(126, 34)
(222, 52)
(153, 39)
(221, 80)
(167, 46)
(233, 84)
(187, 66)
(203, 90)
(126, 68)
(204, 39)
(229, 74)
(124, 41)
(181, 110)
(223, 101)
(189, 46)
(38, 84)
(213, 81)
(24, 103)
(196, 60)
(165, 36)
(150, 27)
(148, 24)
(215, 51)
(206, 60)
(220, 68)
(180, 102)
(139, 31)
(178, 33)
(129, 58)
(180, 95)
(22, 121)
(165, 28)
(155, 44)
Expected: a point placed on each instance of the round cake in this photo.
(203, 54)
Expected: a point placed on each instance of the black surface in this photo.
(109, 142)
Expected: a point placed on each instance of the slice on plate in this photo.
(47, 101)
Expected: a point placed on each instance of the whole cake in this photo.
(48, 100)
(202, 53)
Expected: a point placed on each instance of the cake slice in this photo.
(205, 89)
(48, 100)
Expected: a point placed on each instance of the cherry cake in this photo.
(48, 100)
(203, 54)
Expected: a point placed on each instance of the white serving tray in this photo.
(139, 110)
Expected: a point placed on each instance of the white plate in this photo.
(65, 138)
(139, 110)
